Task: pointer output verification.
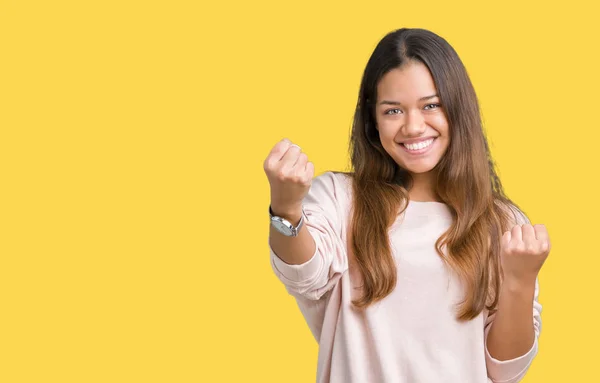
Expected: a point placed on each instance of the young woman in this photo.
(414, 267)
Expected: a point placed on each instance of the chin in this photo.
(419, 168)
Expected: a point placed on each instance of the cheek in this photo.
(440, 123)
(387, 129)
(387, 140)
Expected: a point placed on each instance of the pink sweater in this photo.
(412, 335)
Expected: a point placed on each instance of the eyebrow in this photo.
(386, 102)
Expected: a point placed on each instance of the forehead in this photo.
(410, 82)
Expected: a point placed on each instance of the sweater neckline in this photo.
(429, 207)
(427, 203)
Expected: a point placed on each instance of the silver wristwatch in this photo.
(284, 226)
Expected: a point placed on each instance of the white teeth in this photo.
(419, 146)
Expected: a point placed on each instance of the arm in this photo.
(505, 368)
(512, 332)
(292, 250)
(311, 263)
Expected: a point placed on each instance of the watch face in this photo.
(282, 227)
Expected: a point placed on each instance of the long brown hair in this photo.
(466, 179)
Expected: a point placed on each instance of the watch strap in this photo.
(294, 229)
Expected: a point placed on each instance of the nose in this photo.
(414, 124)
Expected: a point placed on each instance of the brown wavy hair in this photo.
(466, 179)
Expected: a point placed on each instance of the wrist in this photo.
(289, 213)
(513, 285)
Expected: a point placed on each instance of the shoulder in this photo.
(337, 182)
(332, 187)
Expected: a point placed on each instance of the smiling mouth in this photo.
(419, 147)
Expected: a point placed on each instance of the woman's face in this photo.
(411, 122)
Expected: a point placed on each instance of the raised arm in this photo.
(290, 176)
(308, 264)
(512, 331)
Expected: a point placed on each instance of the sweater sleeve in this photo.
(513, 370)
(324, 220)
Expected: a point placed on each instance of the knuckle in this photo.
(268, 164)
(281, 174)
(531, 249)
(282, 146)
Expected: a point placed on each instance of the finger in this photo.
(300, 165)
(310, 171)
(291, 156)
(505, 241)
(279, 149)
(528, 233)
(541, 233)
(516, 234)
(542, 236)
(310, 167)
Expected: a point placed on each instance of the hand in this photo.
(290, 175)
(524, 250)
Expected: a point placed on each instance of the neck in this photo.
(422, 188)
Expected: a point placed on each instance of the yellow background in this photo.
(134, 221)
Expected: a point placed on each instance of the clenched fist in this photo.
(290, 175)
(524, 250)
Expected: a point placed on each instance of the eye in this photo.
(432, 106)
(392, 111)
